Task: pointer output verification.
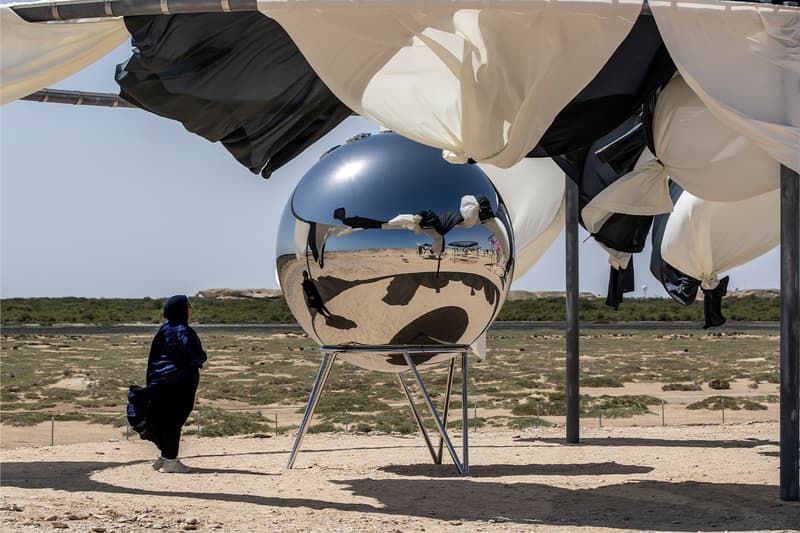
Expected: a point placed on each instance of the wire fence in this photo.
(672, 410)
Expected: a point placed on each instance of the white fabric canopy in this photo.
(704, 239)
(704, 156)
(33, 56)
(743, 61)
(533, 191)
(643, 191)
(479, 79)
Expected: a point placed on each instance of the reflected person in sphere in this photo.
(173, 373)
(313, 298)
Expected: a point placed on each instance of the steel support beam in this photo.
(60, 96)
(325, 366)
(462, 467)
(70, 9)
(437, 459)
(573, 331)
(790, 335)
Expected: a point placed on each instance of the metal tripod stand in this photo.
(408, 352)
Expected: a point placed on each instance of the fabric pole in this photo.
(790, 336)
(573, 325)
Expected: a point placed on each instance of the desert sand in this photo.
(674, 478)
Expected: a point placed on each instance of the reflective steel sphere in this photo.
(383, 242)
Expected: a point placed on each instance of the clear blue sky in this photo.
(102, 202)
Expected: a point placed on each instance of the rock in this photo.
(59, 525)
(98, 529)
(11, 507)
(51, 518)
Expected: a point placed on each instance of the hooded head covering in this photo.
(176, 310)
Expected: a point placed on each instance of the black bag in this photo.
(139, 399)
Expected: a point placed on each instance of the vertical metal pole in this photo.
(663, 422)
(52, 429)
(723, 411)
(276, 423)
(573, 332)
(465, 413)
(790, 335)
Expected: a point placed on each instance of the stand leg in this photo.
(439, 426)
(446, 407)
(418, 418)
(316, 390)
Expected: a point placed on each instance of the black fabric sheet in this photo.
(620, 281)
(639, 67)
(681, 287)
(598, 166)
(712, 304)
(236, 78)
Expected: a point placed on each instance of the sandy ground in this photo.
(674, 478)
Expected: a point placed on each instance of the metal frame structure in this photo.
(790, 247)
(326, 365)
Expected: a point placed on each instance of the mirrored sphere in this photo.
(383, 242)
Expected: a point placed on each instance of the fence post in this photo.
(127, 428)
(276, 423)
(600, 417)
(52, 429)
(538, 412)
(475, 415)
(662, 414)
(723, 411)
(198, 424)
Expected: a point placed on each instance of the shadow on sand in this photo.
(632, 504)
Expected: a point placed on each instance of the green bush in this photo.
(107, 311)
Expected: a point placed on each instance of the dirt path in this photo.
(684, 478)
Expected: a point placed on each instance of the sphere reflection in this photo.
(385, 243)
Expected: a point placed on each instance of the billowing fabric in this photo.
(620, 281)
(176, 353)
(633, 194)
(35, 55)
(703, 239)
(236, 78)
(712, 304)
(679, 286)
(618, 227)
(533, 192)
(479, 80)
(743, 62)
(704, 156)
(638, 68)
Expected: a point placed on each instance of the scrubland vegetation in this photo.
(109, 311)
(250, 376)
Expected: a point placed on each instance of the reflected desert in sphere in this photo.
(383, 242)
